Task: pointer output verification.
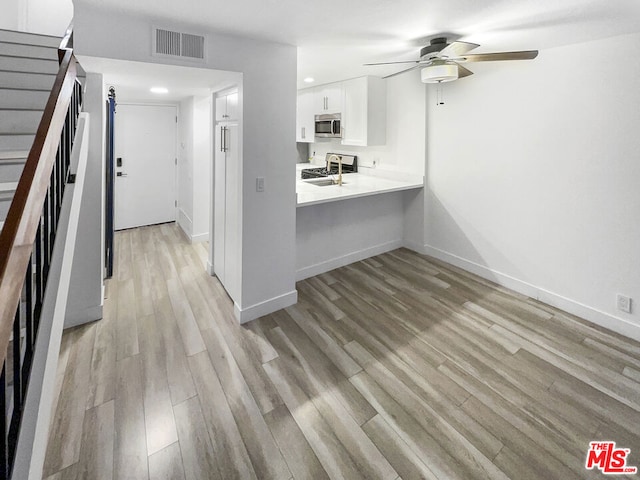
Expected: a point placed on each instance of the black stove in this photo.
(349, 165)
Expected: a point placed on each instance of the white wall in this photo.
(185, 166)
(202, 163)
(49, 17)
(268, 97)
(86, 297)
(533, 177)
(404, 150)
(10, 18)
(331, 235)
(194, 166)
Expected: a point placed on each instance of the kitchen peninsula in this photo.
(337, 225)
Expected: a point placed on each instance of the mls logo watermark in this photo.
(609, 459)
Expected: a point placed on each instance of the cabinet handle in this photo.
(222, 139)
(226, 147)
(303, 132)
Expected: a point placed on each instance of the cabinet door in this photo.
(319, 101)
(227, 107)
(328, 98)
(232, 107)
(305, 122)
(354, 117)
(232, 214)
(219, 205)
(333, 93)
(221, 108)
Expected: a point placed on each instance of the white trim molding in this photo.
(264, 308)
(322, 267)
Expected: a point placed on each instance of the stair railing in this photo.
(26, 245)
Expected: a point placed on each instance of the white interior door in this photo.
(145, 183)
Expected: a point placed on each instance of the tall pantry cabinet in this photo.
(227, 191)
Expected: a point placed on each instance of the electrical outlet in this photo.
(260, 184)
(623, 303)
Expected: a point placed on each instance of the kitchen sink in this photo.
(324, 182)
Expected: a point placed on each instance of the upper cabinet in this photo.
(227, 107)
(364, 115)
(328, 98)
(305, 124)
(362, 102)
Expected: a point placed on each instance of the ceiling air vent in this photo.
(178, 44)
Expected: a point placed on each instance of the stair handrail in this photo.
(23, 218)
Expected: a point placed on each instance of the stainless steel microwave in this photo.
(328, 126)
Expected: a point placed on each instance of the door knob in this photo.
(121, 174)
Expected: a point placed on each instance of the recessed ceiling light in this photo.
(158, 90)
(309, 79)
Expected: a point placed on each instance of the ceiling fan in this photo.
(441, 61)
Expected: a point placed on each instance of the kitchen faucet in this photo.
(339, 158)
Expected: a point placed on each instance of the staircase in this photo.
(28, 66)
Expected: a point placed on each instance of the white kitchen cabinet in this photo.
(365, 111)
(227, 107)
(226, 237)
(328, 98)
(305, 123)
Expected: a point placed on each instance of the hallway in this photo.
(393, 367)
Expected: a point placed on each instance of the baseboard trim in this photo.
(185, 223)
(323, 267)
(264, 308)
(598, 317)
(199, 238)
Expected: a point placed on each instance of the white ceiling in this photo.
(336, 36)
(133, 80)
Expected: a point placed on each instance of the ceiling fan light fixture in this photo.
(439, 73)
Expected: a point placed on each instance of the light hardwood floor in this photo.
(394, 367)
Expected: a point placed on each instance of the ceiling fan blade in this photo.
(494, 57)
(463, 72)
(403, 71)
(390, 63)
(457, 49)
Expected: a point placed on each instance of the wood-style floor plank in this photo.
(332, 409)
(399, 366)
(103, 359)
(328, 449)
(158, 410)
(315, 372)
(130, 452)
(64, 449)
(96, 453)
(231, 454)
(301, 460)
(197, 450)
(403, 459)
(166, 464)
(126, 326)
(263, 451)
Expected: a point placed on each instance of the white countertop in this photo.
(354, 185)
